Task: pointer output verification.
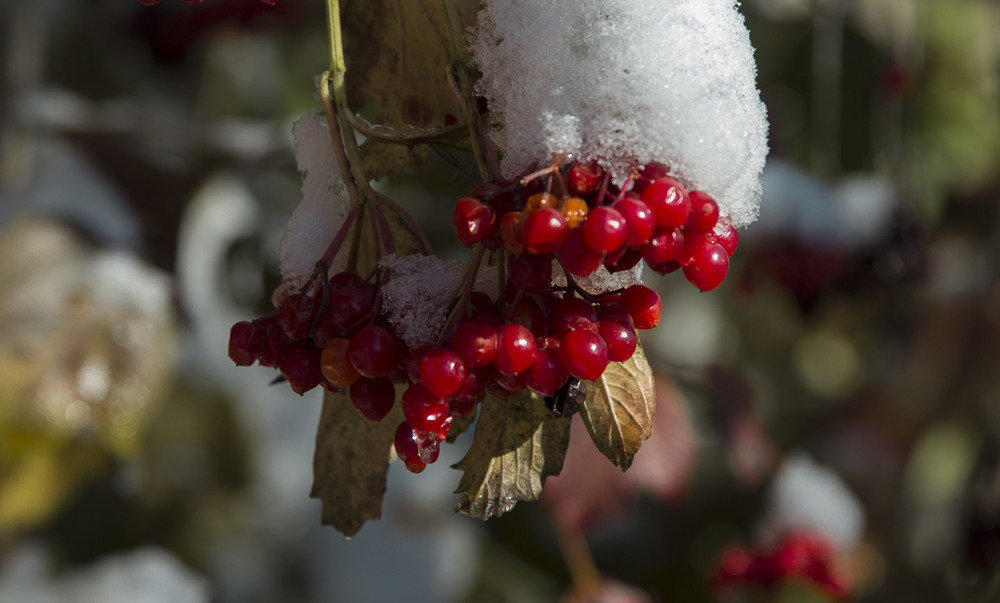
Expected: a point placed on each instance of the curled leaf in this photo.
(619, 409)
(517, 444)
(350, 463)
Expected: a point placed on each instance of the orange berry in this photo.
(575, 211)
(541, 201)
(336, 367)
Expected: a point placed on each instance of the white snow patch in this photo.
(627, 82)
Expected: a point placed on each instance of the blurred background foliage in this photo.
(146, 175)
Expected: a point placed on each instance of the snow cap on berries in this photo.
(324, 202)
(806, 495)
(627, 82)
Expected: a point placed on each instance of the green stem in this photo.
(337, 81)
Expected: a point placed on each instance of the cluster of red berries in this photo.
(334, 338)
(583, 220)
(800, 556)
(152, 2)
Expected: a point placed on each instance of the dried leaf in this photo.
(517, 444)
(619, 409)
(398, 60)
(350, 463)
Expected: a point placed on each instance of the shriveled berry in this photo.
(373, 398)
(643, 305)
(350, 305)
(516, 349)
(584, 178)
(336, 367)
(296, 315)
(301, 367)
(512, 231)
(583, 354)
(373, 351)
(247, 343)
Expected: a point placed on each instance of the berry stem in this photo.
(582, 569)
(409, 220)
(463, 289)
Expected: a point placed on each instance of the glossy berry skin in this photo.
(643, 305)
(578, 259)
(336, 367)
(665, 245)
(406, 448)
(709, 266)
(247, 343)
(474, 220)
(572, 313)
(704, 213)
(544, 231)
(530, 273)
(424, 411)
(624, 259)
(541, 201)
(726, 235)
(639, 219)
(668, 201)
(373, 351)
(575, 211)
(605, 230)
(516, 349)
(475, 343)
(547, 374)
(583, 354)
(442, 372)
(373, 398)
(620, 337)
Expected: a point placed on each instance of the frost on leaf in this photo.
(517, 444)
(619, 409)
(627, 82)
(350, 463)
(398, 61)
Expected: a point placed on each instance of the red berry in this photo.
(296, 315)
(373, 398)
(604, 230)
(576, 257)
(584, 178)
(475, 342)
(512, 231)
(668, 201)
(336, 366)
(406, 448)
(547, 374)
(583, 354)
(301, 367)
(424, 411)
(480, 301)
(620, 337)
(704, 213)
(442, 372)
(665, 245)
(527, 314)
(247, 343)
(624, 259)
(474, 220)
(348, 306)
(544, 231)
(346, 279)
(530, 273)
(516, 349)
(643, 305)
(373, 351)
(572, 313)
(639, 219)
(726, 235)
(708, 267)
(413, 364)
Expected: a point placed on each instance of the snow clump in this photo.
(626, 83)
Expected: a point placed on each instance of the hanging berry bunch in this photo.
(584, 179)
